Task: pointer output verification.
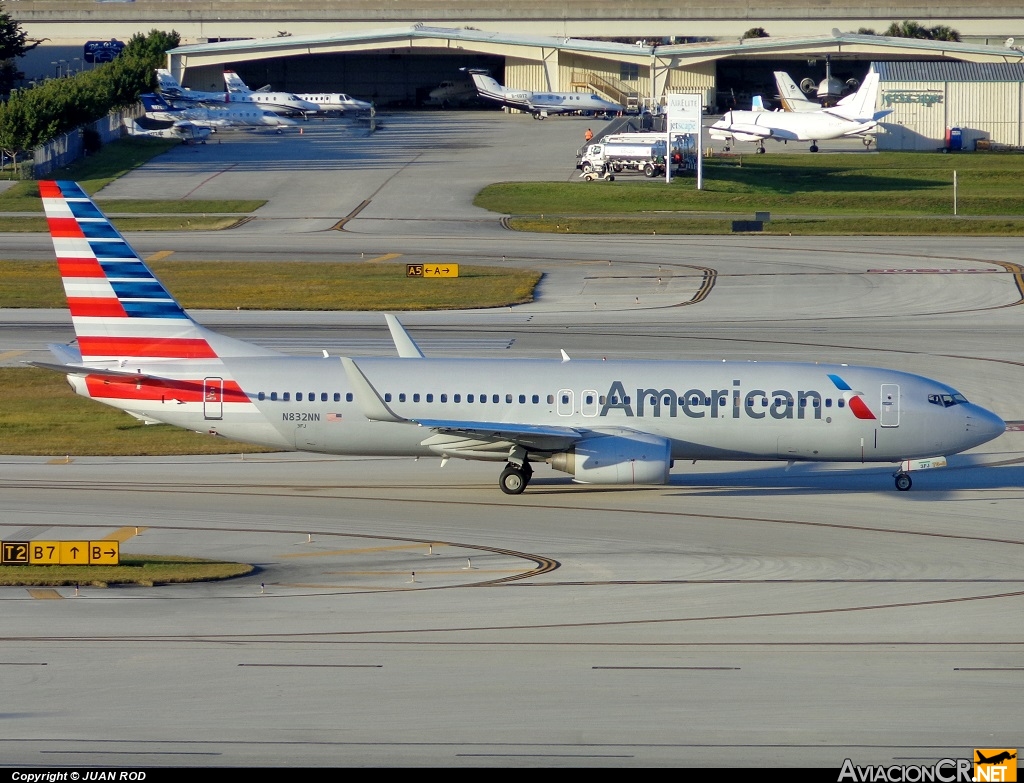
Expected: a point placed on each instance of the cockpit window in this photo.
(947, 400)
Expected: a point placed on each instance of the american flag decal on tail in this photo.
(119, 309)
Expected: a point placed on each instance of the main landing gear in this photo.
(903, 482)
(514, 478)
(814, 146)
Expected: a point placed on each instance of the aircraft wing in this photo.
(532, 436)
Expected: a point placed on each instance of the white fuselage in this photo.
(786, 126)
(220, 118)
(335, 101)
(707, 410)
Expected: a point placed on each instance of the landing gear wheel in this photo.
(814, 148)
(760, 150)
(513, 480)
(903, 482)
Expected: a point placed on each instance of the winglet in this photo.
(404, 344)
(370, 402)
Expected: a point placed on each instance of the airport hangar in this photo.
(961, 84)
(928, 85)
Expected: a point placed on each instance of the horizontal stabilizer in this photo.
(78, 369)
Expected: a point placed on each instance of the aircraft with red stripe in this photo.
(603, 422)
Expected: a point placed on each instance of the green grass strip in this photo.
(298, 285)
(825, 226)
(859, 185)
(147, 570)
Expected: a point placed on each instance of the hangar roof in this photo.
(946, 71)
(836, 44)
(310, 44)
(840, 43)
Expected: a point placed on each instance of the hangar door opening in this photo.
(391, 79)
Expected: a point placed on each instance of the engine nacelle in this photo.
(627, 458)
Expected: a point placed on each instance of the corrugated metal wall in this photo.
(926, 99)
(700, 77)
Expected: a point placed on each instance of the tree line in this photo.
(36, 115)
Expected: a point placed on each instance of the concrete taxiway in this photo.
(405, 614)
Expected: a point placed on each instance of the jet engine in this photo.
(624, 458)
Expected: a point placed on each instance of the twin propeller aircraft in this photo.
(603, 422)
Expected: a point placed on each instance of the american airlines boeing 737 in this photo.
(603, 422)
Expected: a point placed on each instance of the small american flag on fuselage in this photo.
(333, 417)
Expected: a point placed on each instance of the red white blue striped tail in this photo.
(118, 307)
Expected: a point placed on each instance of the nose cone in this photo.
(983, 425)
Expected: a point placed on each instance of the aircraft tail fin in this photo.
(757, 103)
(862, 107)
(791, 96)
(486, 85)
(166, 81)
(234, 82)
(120, 311)
(155, 102)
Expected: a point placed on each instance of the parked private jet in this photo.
(540, 104)
(214, 117)
(335, 101)
(278, 102)
(604, 422)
